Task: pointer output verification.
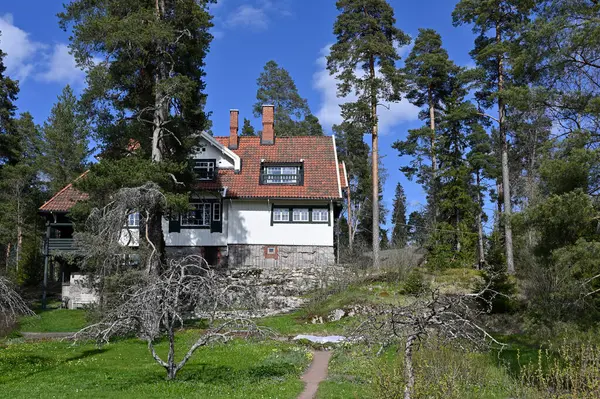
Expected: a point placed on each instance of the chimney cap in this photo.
(234, 110)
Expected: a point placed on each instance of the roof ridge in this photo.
(63, 189)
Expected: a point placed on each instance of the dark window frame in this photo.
(210, 176)
(263, 177)
(291, 213)
(211, 204)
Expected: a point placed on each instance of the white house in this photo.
(258, 200)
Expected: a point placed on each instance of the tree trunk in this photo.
(434, 165)
(172, 365)
(350, 237)
(375, 170)
(409, 373)
(161, 113)
(508, 242)
(480, 246)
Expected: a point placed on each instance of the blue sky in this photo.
(248, 33)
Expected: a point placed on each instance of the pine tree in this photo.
(355, 153)
(65, 142)
(149, 89)
(496, 24)
(417, 229)
(247, 129)
(20, 194)
(292, 113)
(367, 40)
(400, 232)
(9, 89)
(453, 243)
(427, 69)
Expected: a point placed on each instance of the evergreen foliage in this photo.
(292, 113)
(400, 231)
(65, 142)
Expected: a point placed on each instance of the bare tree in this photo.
(143, 295)
(109, 246)
(11, 304)
(451, 317)
(157, 305)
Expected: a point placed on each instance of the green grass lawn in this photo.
(125, 369)
(295, 323)
(54, 320)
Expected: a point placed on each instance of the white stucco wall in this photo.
(197, 237)
(210, 152)
(251, 224)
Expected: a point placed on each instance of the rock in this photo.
(317, 320)
(336, 315)
(333, 339)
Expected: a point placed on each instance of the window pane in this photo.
(281, 174)
(320, 215)
(204, 169)
(216, 212)
(199, 216)
(300, 215)
(133, 219)
(281, 215)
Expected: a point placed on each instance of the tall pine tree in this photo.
(9, 89)
(65, 142)
(292, 113)
(367, 40)
(400, 232)
(497, 25)
(148, 88)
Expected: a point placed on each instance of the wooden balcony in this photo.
(61, 244)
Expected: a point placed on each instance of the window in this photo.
(198, 216)
(205, 169)
(133, 219)
(320, 215)
(300, 215)
(296, 214)
(282, 174)
(216, 211)
(281, 215)
(271, 250)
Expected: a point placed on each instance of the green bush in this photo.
(414, 283)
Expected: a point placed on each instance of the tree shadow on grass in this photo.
(40, 364)
(86, 354)
(211, 374)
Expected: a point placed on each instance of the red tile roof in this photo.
(316, 153)
(64, 200)
(323, 175)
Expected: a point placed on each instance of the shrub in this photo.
(570, 371)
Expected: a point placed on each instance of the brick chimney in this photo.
(233, 129)
(268, 118)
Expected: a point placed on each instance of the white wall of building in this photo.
(211, 152)
(197, 237)
(251, 224)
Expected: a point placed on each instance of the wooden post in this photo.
(46, 259)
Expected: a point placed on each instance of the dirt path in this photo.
(316, 373)
(37, 336)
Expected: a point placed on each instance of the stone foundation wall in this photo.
(279, 256)
(277, 275)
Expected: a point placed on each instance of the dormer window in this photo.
(284, 174)
(205, 169)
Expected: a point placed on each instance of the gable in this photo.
(209, 148)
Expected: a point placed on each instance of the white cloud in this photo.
(61, 67)
(21, 52)
(248, 16)
(329, 112)
(27, 58)
(256, 16)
